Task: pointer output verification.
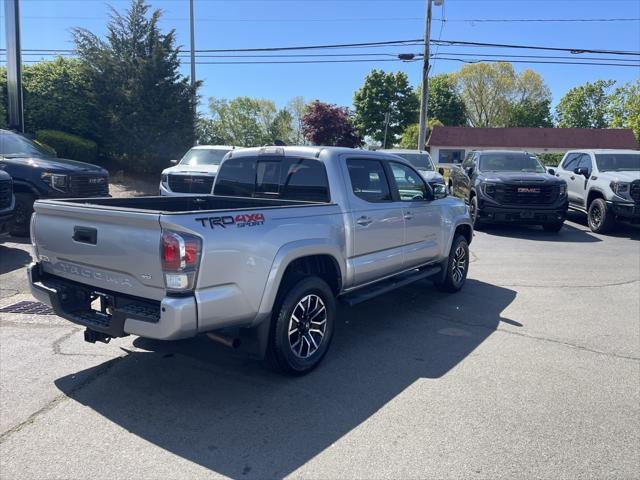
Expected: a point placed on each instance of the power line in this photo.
(493, 60)
(541, 20)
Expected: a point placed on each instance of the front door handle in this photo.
(364, 221)
(408, 216)
(573, 177)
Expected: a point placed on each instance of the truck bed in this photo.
(169, 205)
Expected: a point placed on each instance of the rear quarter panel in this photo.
(242, 260)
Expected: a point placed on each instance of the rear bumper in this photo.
(170, 319)
(626, 211)
(524, 215)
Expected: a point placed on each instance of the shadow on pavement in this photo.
(568, 233)
(12, 258)
(621, 230)
(229, 414)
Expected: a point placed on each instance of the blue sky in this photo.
(46, 24)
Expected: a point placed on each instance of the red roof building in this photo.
(450, 144)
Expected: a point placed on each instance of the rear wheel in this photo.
(553, 227)
(22, 215)
(600, 217)
(303, 327)
(457, 266)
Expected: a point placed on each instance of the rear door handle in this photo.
(364, 221)
(85, 235)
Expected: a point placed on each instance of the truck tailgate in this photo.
(109, 249)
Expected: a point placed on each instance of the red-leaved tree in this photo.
(330, 125)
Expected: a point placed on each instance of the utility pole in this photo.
(387, 116)
(14, 65)
(424, 97)
(193, 63)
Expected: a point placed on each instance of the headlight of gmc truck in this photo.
(489, 189)
(619, 188)
(56, 181)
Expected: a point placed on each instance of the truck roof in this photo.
(214, 147)
(604, 150)
(319, 152)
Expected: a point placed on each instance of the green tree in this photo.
(248, 122)
(409, 138)
(586, 106)
(624, 107)
(56, 97)
(143, 107)
(384, 93)
(445, 102)
(496, 96)
(529, 113)
(297, 107)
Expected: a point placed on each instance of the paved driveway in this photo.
(532, 371)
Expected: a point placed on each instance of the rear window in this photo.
(285, 178)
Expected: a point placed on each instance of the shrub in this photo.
(550, 159)
(68, 145)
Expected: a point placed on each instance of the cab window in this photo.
(571, 161)
(410, 185)
(368, 180)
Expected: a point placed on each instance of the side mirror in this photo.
(581, 171)
(551, 171)
(439, 191)
(174, 162)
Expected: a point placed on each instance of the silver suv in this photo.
(605, 184)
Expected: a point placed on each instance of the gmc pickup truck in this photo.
(262, 261)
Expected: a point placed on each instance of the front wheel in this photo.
(457, 266)
(600, 217)
(473, 211)
(303, 327)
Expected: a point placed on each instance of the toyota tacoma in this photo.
(287, 232)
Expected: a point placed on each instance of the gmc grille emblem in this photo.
(193, 180)
(528, 190)
(96, 180)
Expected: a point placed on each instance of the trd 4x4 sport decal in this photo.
(240, 221)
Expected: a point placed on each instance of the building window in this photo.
(450, 156)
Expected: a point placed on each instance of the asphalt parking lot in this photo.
(532, 371)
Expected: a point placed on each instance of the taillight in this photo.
(180, 255)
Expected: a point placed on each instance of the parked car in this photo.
(421, 160)
(37, 174)
(503, 186)
(605, 184)
(195, 172)
(7, 203)
(286, 233)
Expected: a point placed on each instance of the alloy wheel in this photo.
(307, 326)
(459, 264)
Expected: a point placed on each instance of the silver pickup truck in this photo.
(262, 261)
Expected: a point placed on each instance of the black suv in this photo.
(37, 174)
(504, 186)
(6, 203)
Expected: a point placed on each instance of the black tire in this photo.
(22, 215)
(554, 227)
(475, 214)
(600, 217)
(453, 278)
(294, 353)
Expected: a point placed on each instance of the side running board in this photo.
(384, 286)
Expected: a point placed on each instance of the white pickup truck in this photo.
(287, 232)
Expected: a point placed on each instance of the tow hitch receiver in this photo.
(92, 336)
